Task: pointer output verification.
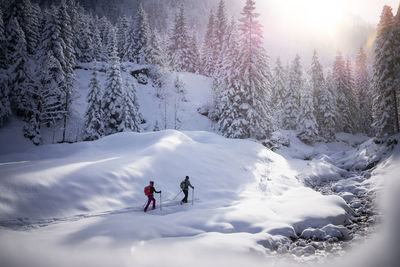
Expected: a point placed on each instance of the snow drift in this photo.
(246, 197)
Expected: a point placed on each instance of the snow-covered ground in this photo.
(81, 204)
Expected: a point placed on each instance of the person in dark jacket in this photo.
(150, 196)
(185, 188)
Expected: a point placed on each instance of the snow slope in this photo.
(81, 203)
(198, 93)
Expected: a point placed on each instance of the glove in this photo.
(160, 191)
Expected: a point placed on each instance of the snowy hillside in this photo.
(161, 110)
(91, 196)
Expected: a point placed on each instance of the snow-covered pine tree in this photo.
(318, 85)
(353, 100)
(208, 53)
(225, 77)
(250, 116)
(23, 12)
(129, 46)
(96, 42)
(122, 31)
(194, 55)
(19, 77)
(396, 37)
(67, 63)
(104, 26)
(291, 105)
(49, 70)
(32, 126)
(142, 35)
(221, 27)
(323, 101)
(5, 106)
(385, 115)
(327, 104)
(363, 93)
(178, 48)
(131, 116)
(3, 43)
(279, 88)
(113, 98)
(94, 128)
(156, 52)
(84, 43)
(344, 121)
(308, 127)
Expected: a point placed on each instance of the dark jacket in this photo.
(153, 190)
(187, 184)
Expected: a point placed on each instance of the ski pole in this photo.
(192, 195)
(160, 202)
(177, 195)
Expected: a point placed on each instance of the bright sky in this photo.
(299, 26)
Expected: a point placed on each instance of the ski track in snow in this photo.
(24, 224)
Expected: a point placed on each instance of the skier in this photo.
(185, 188)
(148, 191)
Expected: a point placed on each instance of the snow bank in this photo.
(90, 197)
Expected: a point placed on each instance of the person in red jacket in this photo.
(150, 190)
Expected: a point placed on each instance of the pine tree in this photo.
(122, 31)
(194, 55)
(50, 71)
(131, 114)
(67, 63)
(208, 55)
(157, 54)
(244, 113)
(178, 48)
(396, 37)
(3, 43)
(113, 98)
(5, 106)
(292, 97)
(96, 45)
(385, 102)
(32, 126)
(308, 128)
(323, 101)
(221, 28)
(279, 89)
(343, 90)
(129, 47)
(327, 105)
(24, 13)
(105, 27)
(362, 90)
(84, 44)
(142, 35)
(94, 128)
(353, 100)
(19, 77)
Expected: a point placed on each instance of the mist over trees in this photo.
(41, 47)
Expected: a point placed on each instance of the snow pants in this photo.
(186, 192)
(151, 198)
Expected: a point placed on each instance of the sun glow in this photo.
(318, 16)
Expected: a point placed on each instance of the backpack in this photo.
(183, 183)
(147, 190)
